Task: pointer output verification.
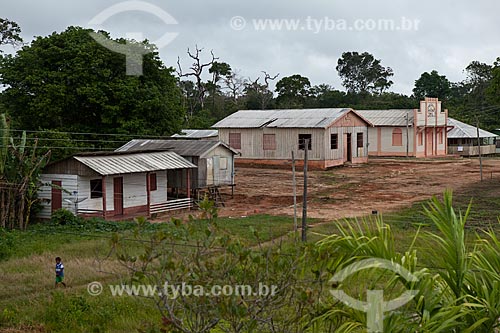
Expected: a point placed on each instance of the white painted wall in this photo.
(69, 183)
(160, 195)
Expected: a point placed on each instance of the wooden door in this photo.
(349, 147)
(56, 201)
(118, 195)
(429, 142)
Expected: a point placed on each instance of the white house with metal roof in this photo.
(463, 139)
(113, 185)
(268, 137)
(408, 132)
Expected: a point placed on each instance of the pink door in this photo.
(429, 142)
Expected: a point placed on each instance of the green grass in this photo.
(267, 227)
(28, 301)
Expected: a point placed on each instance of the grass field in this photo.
(29, 302)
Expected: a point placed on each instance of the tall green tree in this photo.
(362, 73)
(293, 91)
(69, 82)
(10, 33)
(432, 85)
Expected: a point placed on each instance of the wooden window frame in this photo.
(302, 138)
(360, 142)
(270, 142)
(334, 141)
(397, 137)
(153, 182)
(225, 164)
(235, 140)
(95, 188)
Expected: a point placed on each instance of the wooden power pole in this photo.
(304, 201)
(479, 149)
(295, 226)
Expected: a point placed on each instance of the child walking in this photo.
(59, 272)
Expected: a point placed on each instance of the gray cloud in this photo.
(450, 34)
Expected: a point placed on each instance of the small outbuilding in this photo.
(463, 140)
(268, 137)
(214, 161)
(114, 185)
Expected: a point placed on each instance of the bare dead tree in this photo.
(262, 90)
(268, 77)
(197, 69)
(235, 84)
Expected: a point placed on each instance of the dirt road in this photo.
(383, 185)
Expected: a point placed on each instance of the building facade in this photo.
(419, 133)
(113, 185)
(268, 137)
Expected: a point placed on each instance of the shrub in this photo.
(64, 217)
(6, 244)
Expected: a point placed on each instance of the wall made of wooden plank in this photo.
(221, 177)
(69, 184)
(160, 195)
(287, 140)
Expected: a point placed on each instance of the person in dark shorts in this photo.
(59, 272)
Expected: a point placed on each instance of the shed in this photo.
(462, 139)
(268, 137)
(113, 185)
(214, 160)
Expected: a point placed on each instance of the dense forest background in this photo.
(72, 94)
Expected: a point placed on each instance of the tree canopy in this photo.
(432, 85)
(362, 73)
(10, 33)
(292, 91)
(68, 82)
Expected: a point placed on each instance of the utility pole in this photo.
(407, 136)
(479, 149)
(295, 226)
(304, 202)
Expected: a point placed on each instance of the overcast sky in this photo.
(448, 36)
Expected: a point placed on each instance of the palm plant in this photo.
(458, 292)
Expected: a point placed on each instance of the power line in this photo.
(95, 134)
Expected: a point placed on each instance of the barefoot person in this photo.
(59, 272)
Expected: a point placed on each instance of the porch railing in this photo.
(176, 204)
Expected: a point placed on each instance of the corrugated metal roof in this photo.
(181, 147)
(196, 134)
(134, 163)
(395, 117)
(462, 130)
(301, 118)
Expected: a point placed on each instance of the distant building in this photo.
(190, 134)
(214, 160)
(462, 139)
(409, 132)
(268, 137)
(114, 185)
